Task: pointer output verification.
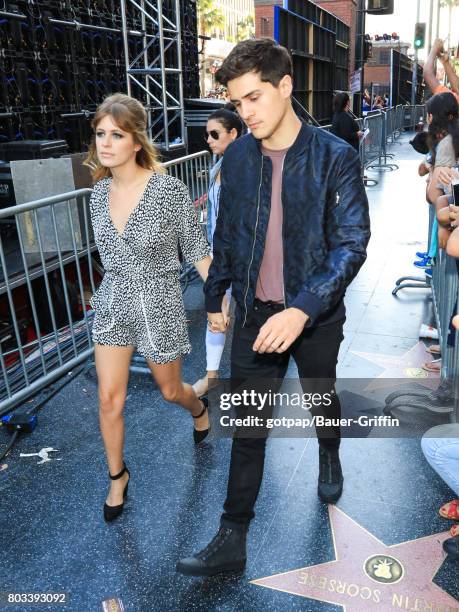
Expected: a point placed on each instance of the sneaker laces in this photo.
(217, 541)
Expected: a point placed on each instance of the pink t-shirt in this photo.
(270, 283)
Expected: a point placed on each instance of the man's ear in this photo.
(286, 86)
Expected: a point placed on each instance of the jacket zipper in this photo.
(253, 246)
(282, 231)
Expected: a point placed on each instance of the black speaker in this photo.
(380, 7)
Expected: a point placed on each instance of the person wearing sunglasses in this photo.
(223, 127)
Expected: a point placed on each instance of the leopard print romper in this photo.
(139, 301)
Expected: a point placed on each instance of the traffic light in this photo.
(420, 36)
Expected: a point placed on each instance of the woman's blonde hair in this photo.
(130, 116)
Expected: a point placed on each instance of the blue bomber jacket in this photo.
(325, 228)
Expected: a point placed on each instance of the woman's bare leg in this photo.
(112, 366)
(168, 377)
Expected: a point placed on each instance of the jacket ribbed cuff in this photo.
(310, 305)
(214, 303)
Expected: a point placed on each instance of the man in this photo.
(291, 235)
(430, 76)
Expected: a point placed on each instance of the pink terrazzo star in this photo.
(368, 575)
(396, 368)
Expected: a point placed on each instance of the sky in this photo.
(404, 18)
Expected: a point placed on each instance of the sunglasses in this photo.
(213, 134)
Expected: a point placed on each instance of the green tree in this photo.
(245, 28)
(209, 17)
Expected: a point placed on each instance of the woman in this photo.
(223, 127)
(443, 140)
(344, 125)
(139, 214)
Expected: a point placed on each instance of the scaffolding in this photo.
(157, 68)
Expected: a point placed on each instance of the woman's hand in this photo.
(203, 266)
(453, 215)
(446, 175)
(443, 217)
(443, 236)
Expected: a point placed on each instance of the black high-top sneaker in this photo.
(225, 553)
(330, 476)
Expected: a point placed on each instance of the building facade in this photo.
(378, 73)
(345, 10)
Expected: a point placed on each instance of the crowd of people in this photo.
(440, 145)
(376, 102)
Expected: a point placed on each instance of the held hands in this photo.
(218, 321)
(280, 331)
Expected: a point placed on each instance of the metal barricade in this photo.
(385, 155)
(445, 298)
(417, 282)
(194, 171)
(444, 399)
(390, 124)
(370, 145)
(52, 287)
(375, 153)
(409, 117)
(399, 121)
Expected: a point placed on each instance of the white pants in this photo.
(215, 343)
(440, 446)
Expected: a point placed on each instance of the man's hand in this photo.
(280, 331)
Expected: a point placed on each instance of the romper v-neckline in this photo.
(133, 211)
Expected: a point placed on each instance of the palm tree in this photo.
(451, 4)
(209, 19)
(245, 28)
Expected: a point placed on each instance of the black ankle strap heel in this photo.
(112, 512)
(120, 474)
(199, 436)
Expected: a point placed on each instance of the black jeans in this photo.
(316, 354)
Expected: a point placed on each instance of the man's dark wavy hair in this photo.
(262, 55)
